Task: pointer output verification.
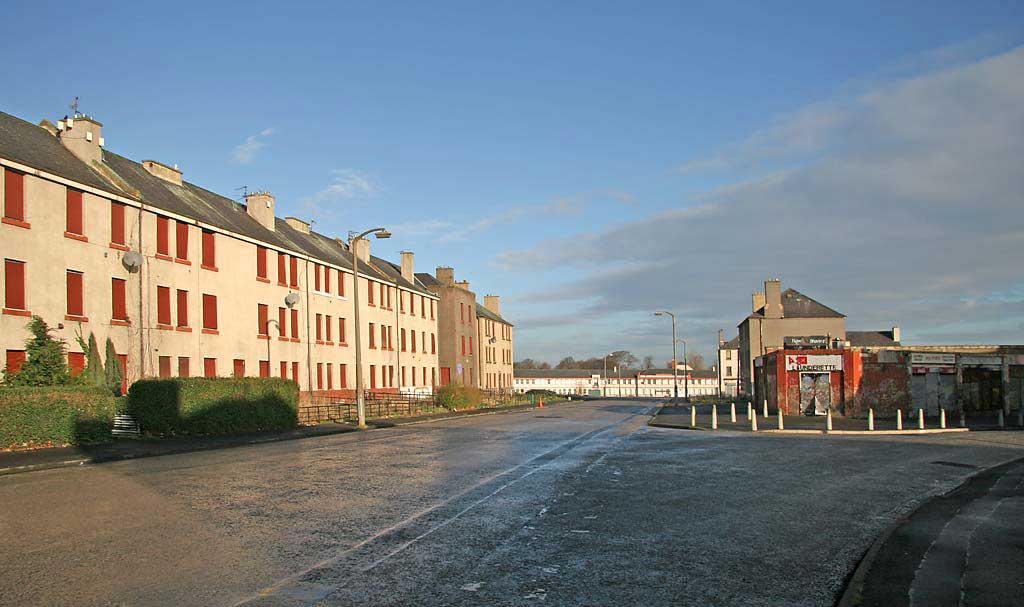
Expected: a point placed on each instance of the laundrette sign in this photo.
(814, 362)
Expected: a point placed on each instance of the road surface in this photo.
(578, 504)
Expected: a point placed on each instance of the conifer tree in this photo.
(114, 372)
(45, 365)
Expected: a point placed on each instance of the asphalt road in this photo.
(578, 504)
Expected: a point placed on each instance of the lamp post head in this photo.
(382, 234)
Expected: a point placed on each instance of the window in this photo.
(295, 372)
(462, 313)
(181, 252)
(463, 345)
(433, 344)
(316, 277)
(328, 329)
(264, 368)
(343, 372)
(75, 308)
(182, 309)
(163, 306)
(401, 302)
(163, 237)
(210, 367)
(319, 328)
(15, 358)
(284, 370)
(183, 366)
(383, 304)
(412, 339)
(14, 198)
(13, 287)
(261, 264)
(330, 376)
(385, 343)
(238, 368)
(262, 320)
(327, 283)
(402, 338)
(295, 326)
(728, 371)
(423, 306)
(373, 377)
(341, 331)
(403, 376)
(76, 363)
(373, 344)
(117, 232)
(164, 366)
(369, 292)
(73, 225)
(209, 313)
(319, 376)
(431, 309)
(209, 253)
(728, 355)
(470, 344)
(282, 269)
(294, 275)
(119, 295)
(282, 324)
(341, 283)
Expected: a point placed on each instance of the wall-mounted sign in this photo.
(805, 341)
(932, 358)
(814, 362)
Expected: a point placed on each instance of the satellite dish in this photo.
(291, 299)
(132, 261)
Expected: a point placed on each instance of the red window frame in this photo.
(181, 242)
(373, 343)
(182, 300)
(282, 323)
(293, 277)
(209, 251)
(316, 277)
(15, 358)
(209, 313)
(261, 264)
(342, 375)
(209, 367)
(76, 363)
(295, 325)
(163, 306)
(14, 198)
(341, 331)
(73, 225)
(341, 283)
(284, 369)
(295, 372)
(238, 367)
(164, 366)
(319, 328)
(184, 363)
(263, 320)
(369, 292)
(282, 269)
(328, 329)
(401, 340)
(163, 238)
(119, 301)
(264, 368)
(433, 344)
(327, 283)
(117, 226)
(75, 304)
(319, 376)
(330, 376)
(13, 287)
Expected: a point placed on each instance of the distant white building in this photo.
(728, 365)
(629, 383)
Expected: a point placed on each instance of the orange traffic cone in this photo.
(540, 402)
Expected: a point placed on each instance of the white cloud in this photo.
(245, 152)
(897, 206)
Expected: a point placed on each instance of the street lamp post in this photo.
(605, 360)
(675, 361)
(686, 373)
(360, 400)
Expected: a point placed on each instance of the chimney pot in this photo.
(81, 137)
(896, 334)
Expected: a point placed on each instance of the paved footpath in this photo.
(580, 504)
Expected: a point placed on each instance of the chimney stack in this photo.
(445, 276)
(297, 224)
(756, 301)
(721, 337)
(162, 171)
(896, 334)
(493, 303)
(83, 137)
(260, 206)
(773, 298)
(407, 267)
(361, 250)
(463, 284)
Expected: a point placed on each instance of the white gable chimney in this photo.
(493, 303)
(407, 267)
(297, 224)
(260, 206)
(83, 137)
(361, 250)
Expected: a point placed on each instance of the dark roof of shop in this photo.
(797, 305)
(34, 146)
(732, 344)
(868, 339)
(482, 311)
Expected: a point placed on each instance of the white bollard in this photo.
(732, 412)
(920, 419)
(753, 423)
(899, 419)
(828, 420)
(871, 420)
(782, 425)
(750, 411)
(963, 419)
(765, 409)
(942, 418)
(714, 417)
(693, 415)
(1002, 423)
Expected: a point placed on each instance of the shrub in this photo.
(93, 362)
(114, 370)
(222, 405)
(45, 364)
(458, 396)
(50, 415)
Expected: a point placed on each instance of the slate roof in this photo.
(482, 311)
(797, 305)
(28, 144)
(427, 279)
(732, 344)
(869, 339)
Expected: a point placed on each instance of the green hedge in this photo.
(458, 396)
(54, 415)
(201, 405)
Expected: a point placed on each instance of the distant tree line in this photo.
(621, 358)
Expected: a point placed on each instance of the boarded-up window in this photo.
(182, 241)
(282, 269)
(319, 327)
(261, 263)
(14, 285)
(117, 231)
(319, 376)
(163, 306)
(15, 358)
(369, 292)
(343, 376)
(284, 370)
(238, 369)
(373, 342)
(330, 376)
(264, 368)
(295, 372)
(165, 366)
(328, 328)
(75, 305)
(163, 236)
(209, 259)
(210, 367)
(295, 324)
(119, 299)
(183, 366)
(76, 363)
(14, 195)
(316, 277)
(262, 319)
(341, 283)
(293, 276)
(341, 330)
(209, 312)
(327, 279)
(182, 308)
(74, 212)
(282, 322)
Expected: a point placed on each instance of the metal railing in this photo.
(319, 408)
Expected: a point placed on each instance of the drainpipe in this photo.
(398, 329)
(142, 325)
(309, 340)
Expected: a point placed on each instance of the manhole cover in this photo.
(954, 464)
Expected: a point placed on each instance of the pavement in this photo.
(16, 462)
(678, 416)
(579, 504)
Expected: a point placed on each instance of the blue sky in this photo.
(592, 161)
